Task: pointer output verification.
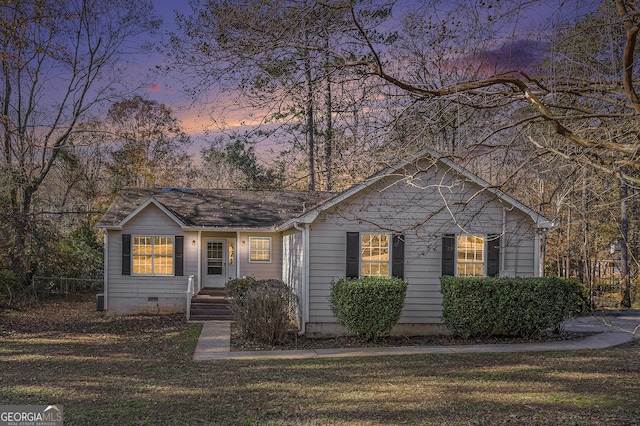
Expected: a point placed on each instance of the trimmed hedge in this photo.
(369, 306)
(524, 307)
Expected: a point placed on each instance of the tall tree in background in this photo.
(467, 78)
(149, 147)
(570, 103)
(279, 56)
(59, 62)
(233, 163)
(580, 107)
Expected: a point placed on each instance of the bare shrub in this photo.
(264, 309)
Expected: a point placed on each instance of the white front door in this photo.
(214, 262)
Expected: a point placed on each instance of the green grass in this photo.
(139, 371)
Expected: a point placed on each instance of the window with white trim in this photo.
(260, 249)
(470, 256)
(374, 255)
(152, 255)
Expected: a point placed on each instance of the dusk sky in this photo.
(169, 90)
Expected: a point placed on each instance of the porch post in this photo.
(199, 253)
(237, 254)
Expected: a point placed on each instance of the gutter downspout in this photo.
(305, 275)
(198, 284)
(503, 244)
(105, 267)
(537, 271)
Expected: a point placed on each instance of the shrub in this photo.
(523, 307)
(236, 287)
(264, 309)
(370, 306)
(9, 287)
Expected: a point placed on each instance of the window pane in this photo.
(214, 257)
(142, 265)
(152, 255)
(142, 245)
(260, 249)
(374, 255)
(470, 255)
(163, 265)
(163, 245)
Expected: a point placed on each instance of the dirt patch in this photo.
(295, 342)
(81, 317)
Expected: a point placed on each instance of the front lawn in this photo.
(138, 370)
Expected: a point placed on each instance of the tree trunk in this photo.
(328, 143)
(585, 269)
(625, 281)
(310, 123)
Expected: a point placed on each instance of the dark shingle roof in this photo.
(220, 208)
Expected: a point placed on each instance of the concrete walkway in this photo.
(612, 329)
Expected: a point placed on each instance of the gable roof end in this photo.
(540, 221)
(172, 215)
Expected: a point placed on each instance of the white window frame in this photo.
(388, 261)
(251, 249)
(484, 255)
(153, 255)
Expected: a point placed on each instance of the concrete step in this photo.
(211, 304)
(213, 292)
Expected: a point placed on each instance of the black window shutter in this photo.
(179, 253)
(493, 255)
(126, 254)
(448, 254)
(397, 256)
(353, 254)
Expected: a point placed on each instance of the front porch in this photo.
(219, 256)
(210, 305)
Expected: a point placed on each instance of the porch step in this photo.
(211, 304)
(212, 292)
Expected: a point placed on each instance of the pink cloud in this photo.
(155, 87)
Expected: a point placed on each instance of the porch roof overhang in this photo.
(221, 210)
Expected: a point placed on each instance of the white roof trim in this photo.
(309, 217)
(150, 200)
(538, 219)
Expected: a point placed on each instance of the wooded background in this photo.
(539, 101)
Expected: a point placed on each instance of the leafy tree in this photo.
(59, 63)
(235, 164)
(149, 145)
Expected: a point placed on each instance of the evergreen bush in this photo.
(524, 307)
(368, 307)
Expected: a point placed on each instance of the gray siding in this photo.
(132, 293)
(293, 265)
(432, 204)
(261, 270)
